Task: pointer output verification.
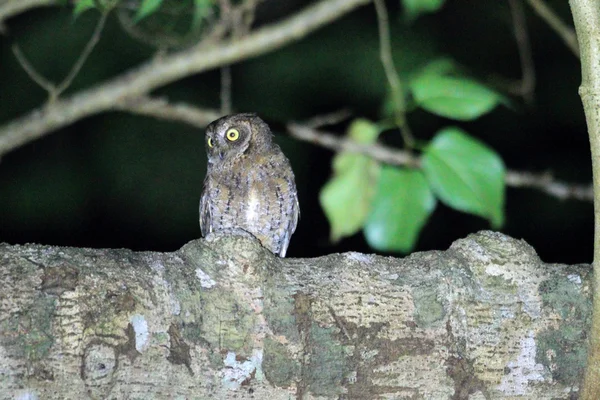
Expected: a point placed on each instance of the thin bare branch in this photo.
(547, 184)
(333, 142)
(10, 8)
(162, 71)
(309, 132)
(31, 71)
(391, 73)
(53, 90)
(543, 182)
(161, 108)
(566, 33)
(328, 119)
(89, 47)
(526, 87)
(226, 102)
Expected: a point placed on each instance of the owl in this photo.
(249, 183)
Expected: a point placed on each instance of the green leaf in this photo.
(147, 8)
(414, 8)
(401, 207)
(201, 10)
(81, 6)
(439, 66)
(346, 198)
(466, 174)
(453, 96)
(363, 131)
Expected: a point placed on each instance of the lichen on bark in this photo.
(224, 318)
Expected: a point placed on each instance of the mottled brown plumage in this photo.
(249, 183)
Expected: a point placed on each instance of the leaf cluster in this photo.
(391, 204)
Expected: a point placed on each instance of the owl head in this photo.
(235, 135)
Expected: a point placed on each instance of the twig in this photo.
(547, 184)
(162, 109)
(54, 91)
(11, 8)
(159, 72)
(385, 49)
(527, 84)
(566, 33)
(307, 132)
(31, 71)
(328, 119)
(89, 47)
(226, 103)
(333, 142)
(249, 13)
(543, 182)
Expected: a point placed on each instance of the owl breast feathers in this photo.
(249, 183)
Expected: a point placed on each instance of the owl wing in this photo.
(291, 227)
(205, 217)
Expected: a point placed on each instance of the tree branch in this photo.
(586, 15)
(162, 71)
(87, 50)
(397, 93)
(30, 70)
(162, 109)
(10, 8)
(526, 87)
(226, 91)
(308, 132)
(54, 91)
(563, 30)
(333, 142)
(223, 318)
(544, 182)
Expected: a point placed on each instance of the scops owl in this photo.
(249, 183)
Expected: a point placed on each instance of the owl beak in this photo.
(221, 155)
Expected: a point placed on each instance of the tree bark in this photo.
(224, 318)
(586, 16)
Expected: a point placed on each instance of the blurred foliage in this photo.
(122, 181)
(414, 8)
(347, 197)
(439, 89)
(402, 206)
(464, 173)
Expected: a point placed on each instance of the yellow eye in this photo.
(232, 135)
(210, 143)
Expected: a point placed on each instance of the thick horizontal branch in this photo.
(164, 70)
(225, 319)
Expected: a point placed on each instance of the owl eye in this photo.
(232, 135)
(210, 142)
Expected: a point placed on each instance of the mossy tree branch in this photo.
(223, 318)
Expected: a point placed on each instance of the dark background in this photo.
(116, 180)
